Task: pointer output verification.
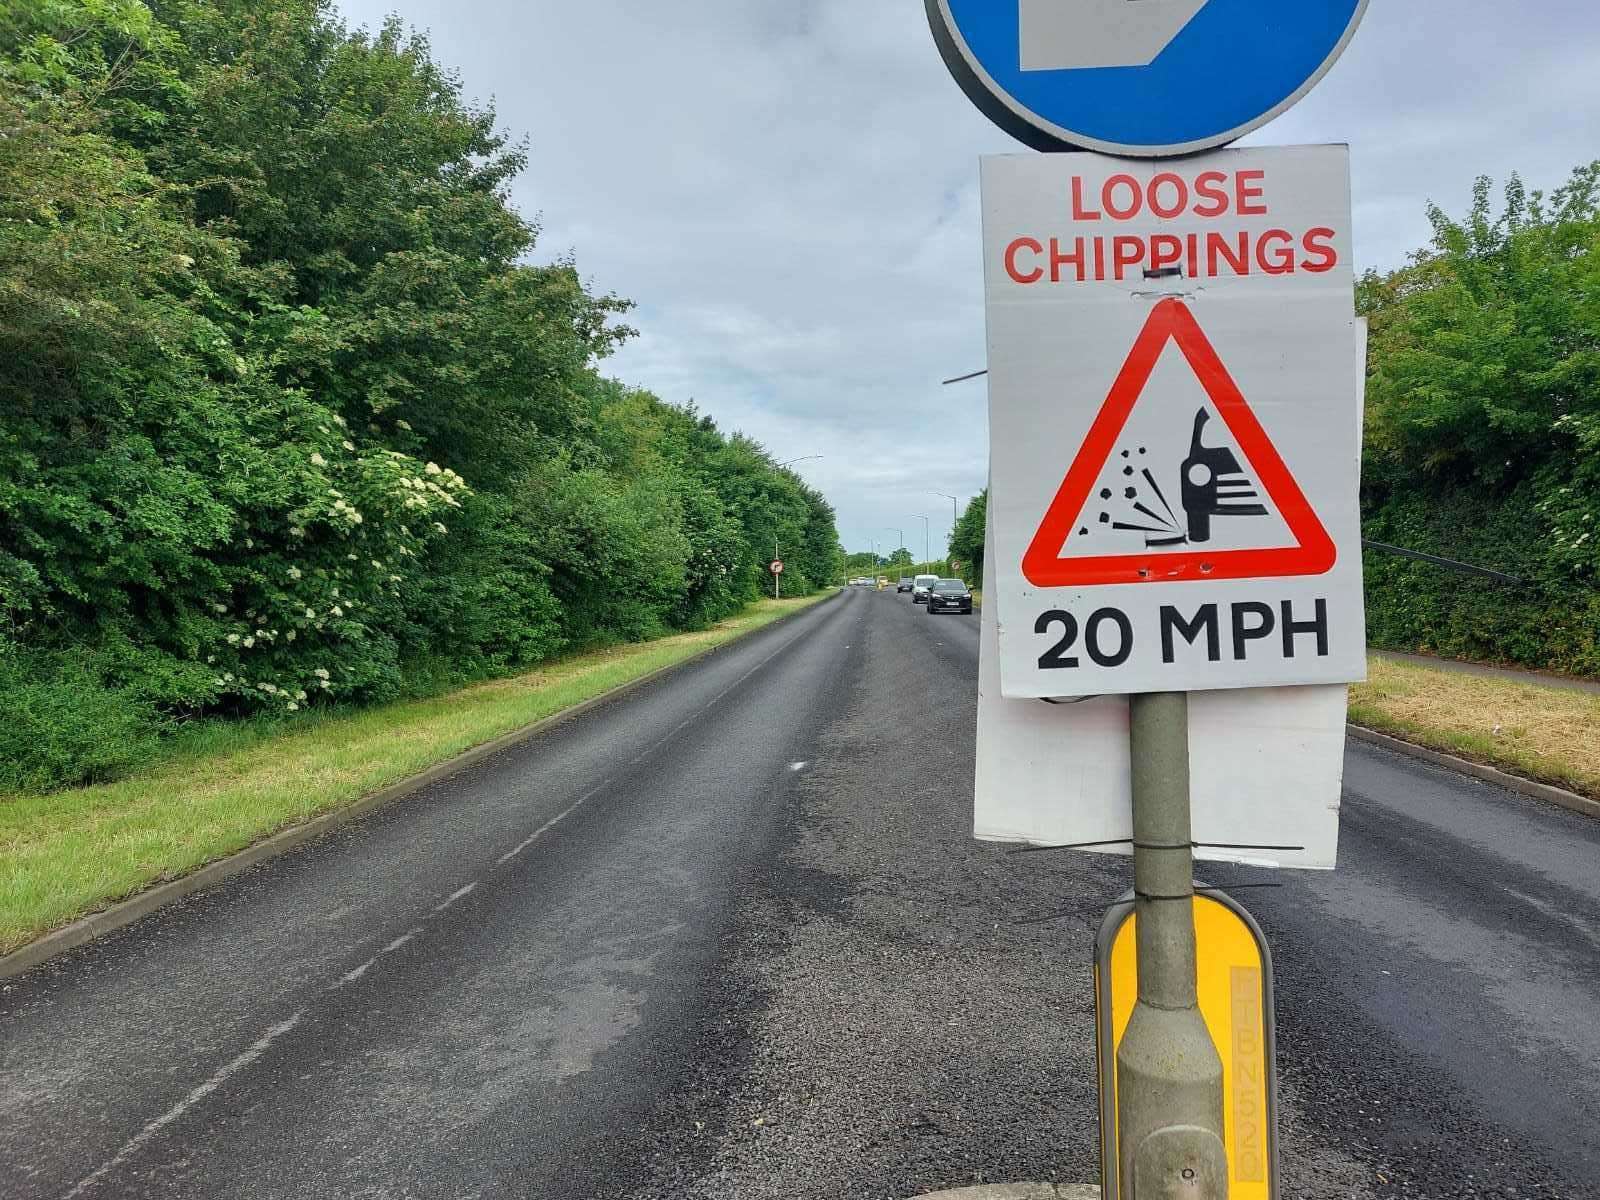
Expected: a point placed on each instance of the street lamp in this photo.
(901, 533)
(953, 518)
(802, 458)
(926, 559)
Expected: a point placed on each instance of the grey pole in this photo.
(926, 549)
(1169, 1076)
(954, 518)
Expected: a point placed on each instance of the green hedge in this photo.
(293, 413)
(1552, 623)
(1483, 431)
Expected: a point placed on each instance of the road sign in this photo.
(776, 566)
(955, 565)
(1234, 978)
(1138, 77)
(1078, 542)
(1266, 766)
(1174, 440)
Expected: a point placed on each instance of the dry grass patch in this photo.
(68, 853)
(1545, 733)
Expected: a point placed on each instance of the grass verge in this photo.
(1543, 733)
(69, 853)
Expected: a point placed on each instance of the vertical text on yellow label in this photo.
(1248, 1084)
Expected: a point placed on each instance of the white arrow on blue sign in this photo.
(1147, 78)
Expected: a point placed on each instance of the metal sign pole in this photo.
(1107, 611)
(1169, 1075)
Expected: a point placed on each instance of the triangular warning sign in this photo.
(1211, 485)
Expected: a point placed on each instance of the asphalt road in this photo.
(726, 936)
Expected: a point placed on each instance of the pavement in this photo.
(727, 936)
(1550, 679)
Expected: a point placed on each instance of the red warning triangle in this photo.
(1313, 551)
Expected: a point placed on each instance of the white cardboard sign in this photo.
(1266, 766)
(1172, 422)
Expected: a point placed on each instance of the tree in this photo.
(967, 539)
(1483, 422)
(291, 416)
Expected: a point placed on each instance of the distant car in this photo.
(949, 595)
(904, 585)
(919, 587)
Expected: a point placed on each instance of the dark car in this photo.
(949, 595)
(904, 585)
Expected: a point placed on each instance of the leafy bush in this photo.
(287, 414)
(1483, 431)
(61, 724)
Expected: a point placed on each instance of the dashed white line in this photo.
(188, 1102)
(458, 894)
(356, 973)
(262, 1044)
(400, 941)
(550, 824)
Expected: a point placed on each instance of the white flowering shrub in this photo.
(309, 611)
(1570, 500)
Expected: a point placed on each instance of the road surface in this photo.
(726, 937)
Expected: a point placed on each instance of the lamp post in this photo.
(953, 518)
(900, 533)
(925, 539)
(802, 458)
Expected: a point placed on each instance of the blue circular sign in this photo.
(1148, 78)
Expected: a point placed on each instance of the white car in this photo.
(920, 586)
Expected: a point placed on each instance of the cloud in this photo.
(789, 192)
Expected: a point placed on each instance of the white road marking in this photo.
(400, 941)
(263, 1043)
(707, 707)
(797, 766)
(188, 1102)
(353, 975)
(356, 973)
(458, 894)
(550, 824)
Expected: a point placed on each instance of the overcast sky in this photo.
(788, 190)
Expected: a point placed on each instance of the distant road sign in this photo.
(1139, 77)
(1173, 421)
(776, 566)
